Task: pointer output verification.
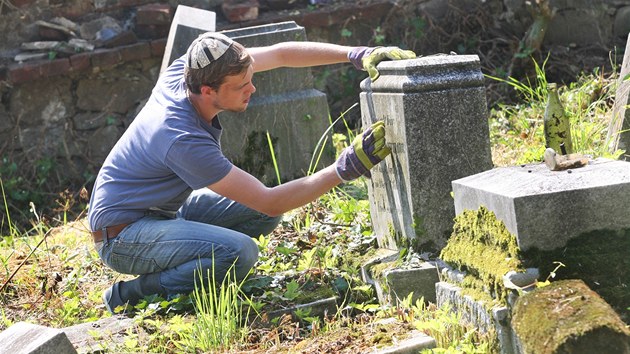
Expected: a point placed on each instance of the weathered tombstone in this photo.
(544, 209)
(188, 23)
(27, 338)
(285, 105)
(434, 109)
(619, 127)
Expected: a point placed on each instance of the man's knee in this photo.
(247, 258)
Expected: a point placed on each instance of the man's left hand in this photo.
(370, 57)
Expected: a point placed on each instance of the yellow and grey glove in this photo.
(366, 150)
(366, 58)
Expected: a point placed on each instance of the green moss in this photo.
(482, 246)
(256, 158)
(600, 258)
(568, 317)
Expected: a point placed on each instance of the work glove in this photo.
(366, 150)
(366, 58)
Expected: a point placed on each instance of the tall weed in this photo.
(516, 131)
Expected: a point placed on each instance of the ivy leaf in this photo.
(285, 250)
(292, 290)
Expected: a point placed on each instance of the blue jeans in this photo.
(210, 231)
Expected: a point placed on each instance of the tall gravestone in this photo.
(435, 114)
(188, 23)
(619, 127)
(285, 110)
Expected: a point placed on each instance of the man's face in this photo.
(235, 92)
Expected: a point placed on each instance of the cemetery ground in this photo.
(51, 274)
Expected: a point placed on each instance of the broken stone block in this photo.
(545, 209)
(29, 338)
(568, 317)
(398, 283)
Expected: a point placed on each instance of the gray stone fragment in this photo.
(521, 280)
(399, 283)
(396, 280)
(30, 56)
(66, 23)
(65, 26)
(40, 45)
(27, 338)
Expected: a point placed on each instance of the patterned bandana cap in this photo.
(207, 48)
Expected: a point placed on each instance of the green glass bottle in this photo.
(557, 127)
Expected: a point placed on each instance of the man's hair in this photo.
(212, 57)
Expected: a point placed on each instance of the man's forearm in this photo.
(298, 54)
(302, 191)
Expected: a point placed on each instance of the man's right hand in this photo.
(366, 150)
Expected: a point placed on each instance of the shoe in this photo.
(131, 292)
(111, 298)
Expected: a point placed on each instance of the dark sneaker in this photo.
(111, 297)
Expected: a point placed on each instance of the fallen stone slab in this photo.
(417, 342)
(97, 335)
(568, 317)
(28, 338)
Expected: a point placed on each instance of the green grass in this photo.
(516, 131)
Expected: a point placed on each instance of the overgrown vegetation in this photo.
(52, 275)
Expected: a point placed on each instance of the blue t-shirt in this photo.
(167, 151)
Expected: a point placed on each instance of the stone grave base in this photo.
(475, 312)
(394, 281)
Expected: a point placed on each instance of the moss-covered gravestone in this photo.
(568, 317)
(286, 106)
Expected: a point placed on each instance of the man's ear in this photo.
(207, 90)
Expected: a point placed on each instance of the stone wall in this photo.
(70, 111)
